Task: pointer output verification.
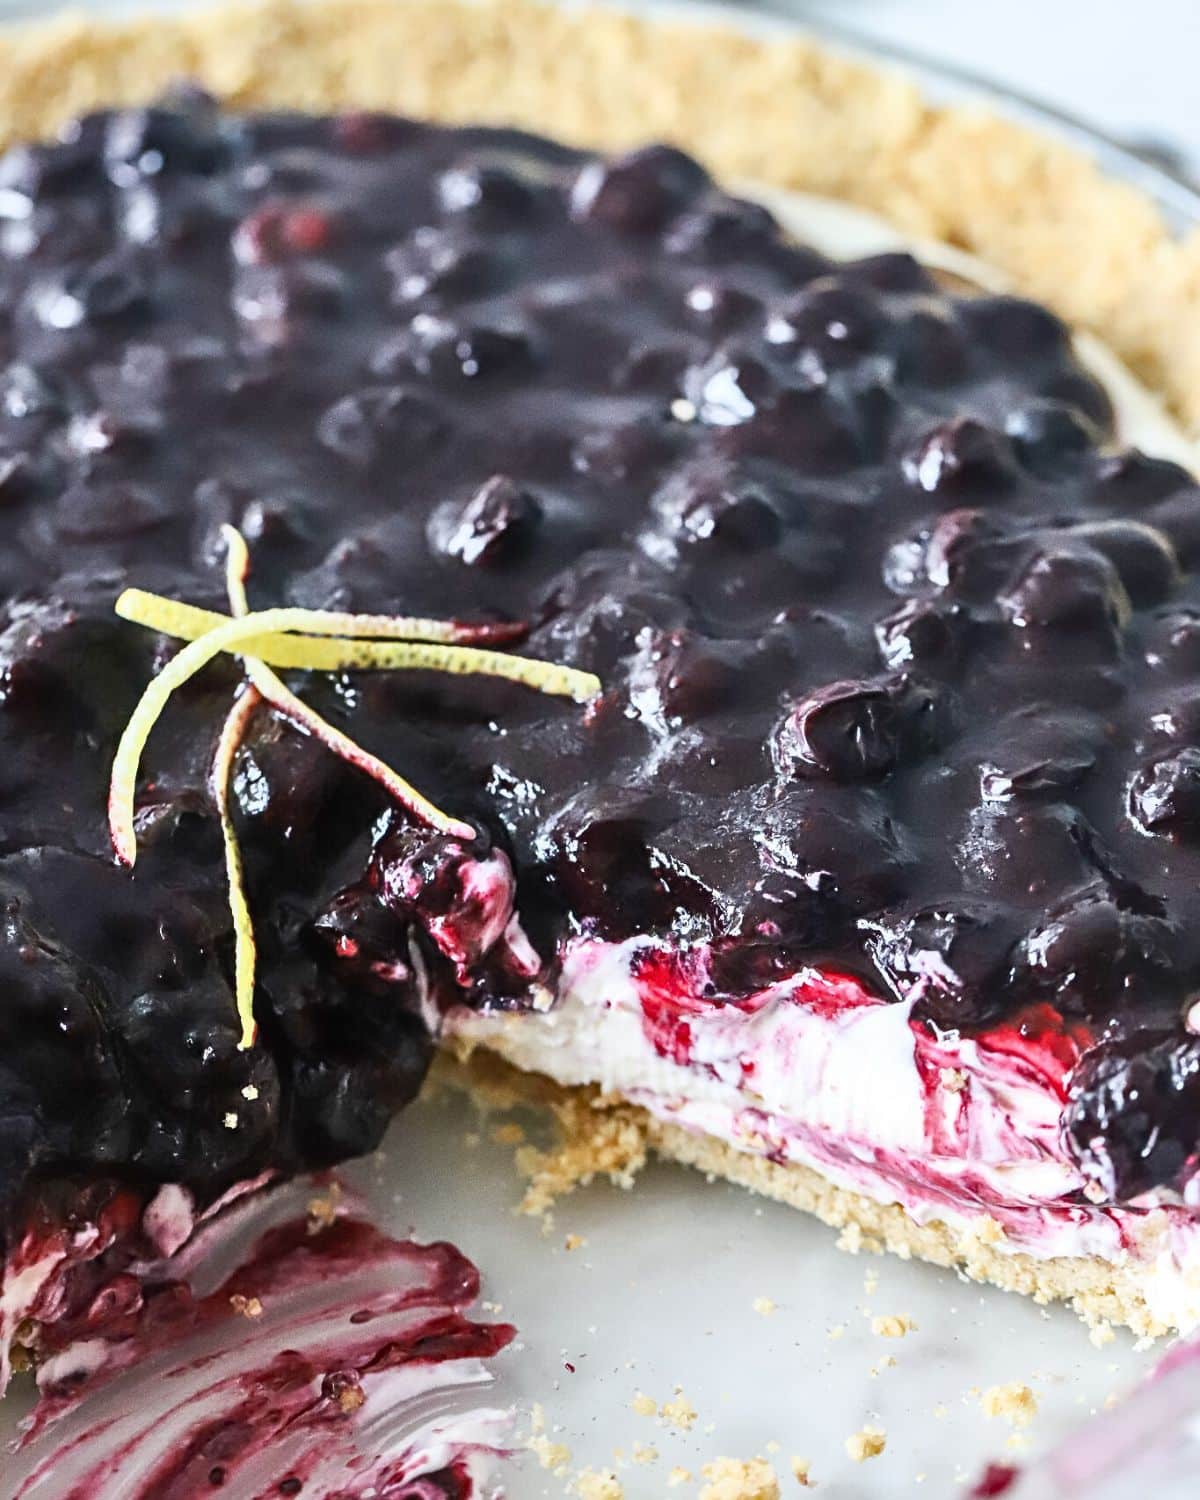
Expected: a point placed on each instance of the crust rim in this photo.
(790, 113)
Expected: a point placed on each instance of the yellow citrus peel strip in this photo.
(308, 652)
(281, 697)
(188, 621)
(313, 640)
(244, 953)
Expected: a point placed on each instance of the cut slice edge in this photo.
(604, 1135)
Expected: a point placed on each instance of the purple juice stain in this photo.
(286, 1355)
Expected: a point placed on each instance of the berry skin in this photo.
(1164, 796)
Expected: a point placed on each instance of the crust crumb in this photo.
(739, 1479)
(246, 1307)
(986, 1231)
(764, 1306)
(598, 1484)
(678, 1475)
(574, 1242)
(644, 1405)
(953, 1080)
(679, 1411)
(323, 1208)
(645, 1453)
(892, 1326)
(553, 1456)
(1015, 1402)
(351, 1398)
(867, 1442)
(801, 1473)
(1101, 1333)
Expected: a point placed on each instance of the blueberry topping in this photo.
(899, 654)
(1133, 1119)
(1164, 797)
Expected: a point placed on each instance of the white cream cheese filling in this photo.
(948, 1130)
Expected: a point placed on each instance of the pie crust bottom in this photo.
(603, 1135)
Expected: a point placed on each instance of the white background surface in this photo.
(662, 1294)
(1131, 69)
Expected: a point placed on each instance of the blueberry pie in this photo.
(729, 663)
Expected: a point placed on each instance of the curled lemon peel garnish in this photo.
(313, 653)
(312, 640)
(188, 622)
(244, 952)
(277, 693)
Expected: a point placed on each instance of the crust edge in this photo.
(785, 111)
(601, 1135)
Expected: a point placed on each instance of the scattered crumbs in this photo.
(868, 1442)
(644, 1405)
(246, 1307)
(598, 1484)
(1147, 1341)
(838, 1331)
(940, 1411)
(953, 1080)
(1015, 1402)
(679, 1411)
(739, 1479)
(510, 1134)
(537, 1417)
(645, 1453)
(801, 1473)
(553, 1456)
(322, 1210)
(871, 1282)
(764, 1306)
(574, 1242)
(250, 1092)
(887, 1363)
(495, 1308)
(892, 1325)
(772, 1447)
(231, 1120)
(1019, 1442)
(472, 1140)
(678, 1475)
(1101, 1333)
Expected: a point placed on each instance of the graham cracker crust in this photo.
(602, 1135)
(783, 111)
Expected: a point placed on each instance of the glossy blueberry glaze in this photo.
(901, 659)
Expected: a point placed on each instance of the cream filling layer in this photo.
(816, 1072)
